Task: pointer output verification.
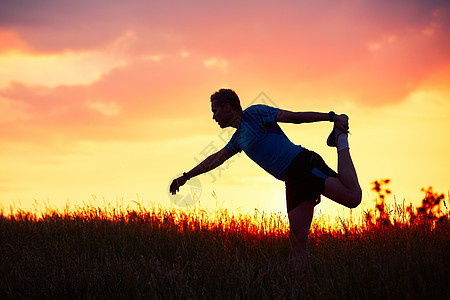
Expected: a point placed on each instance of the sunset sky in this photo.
(111, 98)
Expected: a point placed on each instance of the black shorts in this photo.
(306, 178)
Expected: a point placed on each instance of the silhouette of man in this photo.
(304, 172)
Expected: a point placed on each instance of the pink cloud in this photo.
(371, 52)
(111, 107)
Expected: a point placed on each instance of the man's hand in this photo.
(341, 122)
(176, 183)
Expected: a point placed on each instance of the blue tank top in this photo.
(263, 141)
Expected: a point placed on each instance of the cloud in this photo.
(80, 66)
(67, 68)
(106, 108)
(128, 102)
(216, 63)
(11, 41)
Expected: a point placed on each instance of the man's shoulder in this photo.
(258, 107)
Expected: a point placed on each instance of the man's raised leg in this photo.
(345, 188)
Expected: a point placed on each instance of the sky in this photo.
(107, 101)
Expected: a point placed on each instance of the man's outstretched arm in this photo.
(285, 116)
(210, 163)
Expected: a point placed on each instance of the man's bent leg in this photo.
(345, 188)
(300, 219)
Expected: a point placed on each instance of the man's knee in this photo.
(355, 198)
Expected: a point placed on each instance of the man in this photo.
(304, 172)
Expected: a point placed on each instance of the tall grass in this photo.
(396, 252)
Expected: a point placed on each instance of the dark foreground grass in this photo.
(95, 253)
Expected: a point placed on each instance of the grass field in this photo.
(396, 252)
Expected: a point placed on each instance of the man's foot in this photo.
(331, 140)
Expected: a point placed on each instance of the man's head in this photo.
(223, 96)
(226, 107)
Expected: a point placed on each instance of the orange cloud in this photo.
(11, 41)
